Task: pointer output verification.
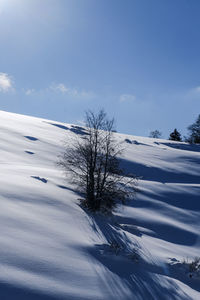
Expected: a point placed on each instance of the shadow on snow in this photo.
(151, 173)
(143, 279)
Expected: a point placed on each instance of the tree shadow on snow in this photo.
(167, 232)
(128, 278)
(151, 173)
(174, 198)
(180, 146)
(9, 292)
(178, 198)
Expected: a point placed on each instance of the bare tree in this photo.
(156, 134)
(194, 130)
(93, 162)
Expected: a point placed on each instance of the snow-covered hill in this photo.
(52, 249)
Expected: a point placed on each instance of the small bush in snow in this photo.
(124, 251)
(193, 267)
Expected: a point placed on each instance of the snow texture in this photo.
(50, 248)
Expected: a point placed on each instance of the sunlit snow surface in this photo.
(52, 249)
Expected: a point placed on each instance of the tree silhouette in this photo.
(194, 130)
(156, 134)
(93, 162)
(175, 136)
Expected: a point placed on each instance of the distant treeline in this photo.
(192, 138)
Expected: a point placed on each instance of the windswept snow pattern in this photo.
(50, 248)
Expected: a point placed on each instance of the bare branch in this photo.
(93, 163)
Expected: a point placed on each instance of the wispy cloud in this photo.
(72, 92)
(127, 97)
(29, 92)
(60, 87)
(6, 84)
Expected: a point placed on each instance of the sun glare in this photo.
(6, 3)
(3, 4)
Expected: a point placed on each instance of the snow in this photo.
(50, 248)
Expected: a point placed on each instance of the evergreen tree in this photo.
(175, 136)
(194, 130)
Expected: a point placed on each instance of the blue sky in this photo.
(138, 59)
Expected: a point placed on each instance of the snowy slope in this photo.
(51, 249)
